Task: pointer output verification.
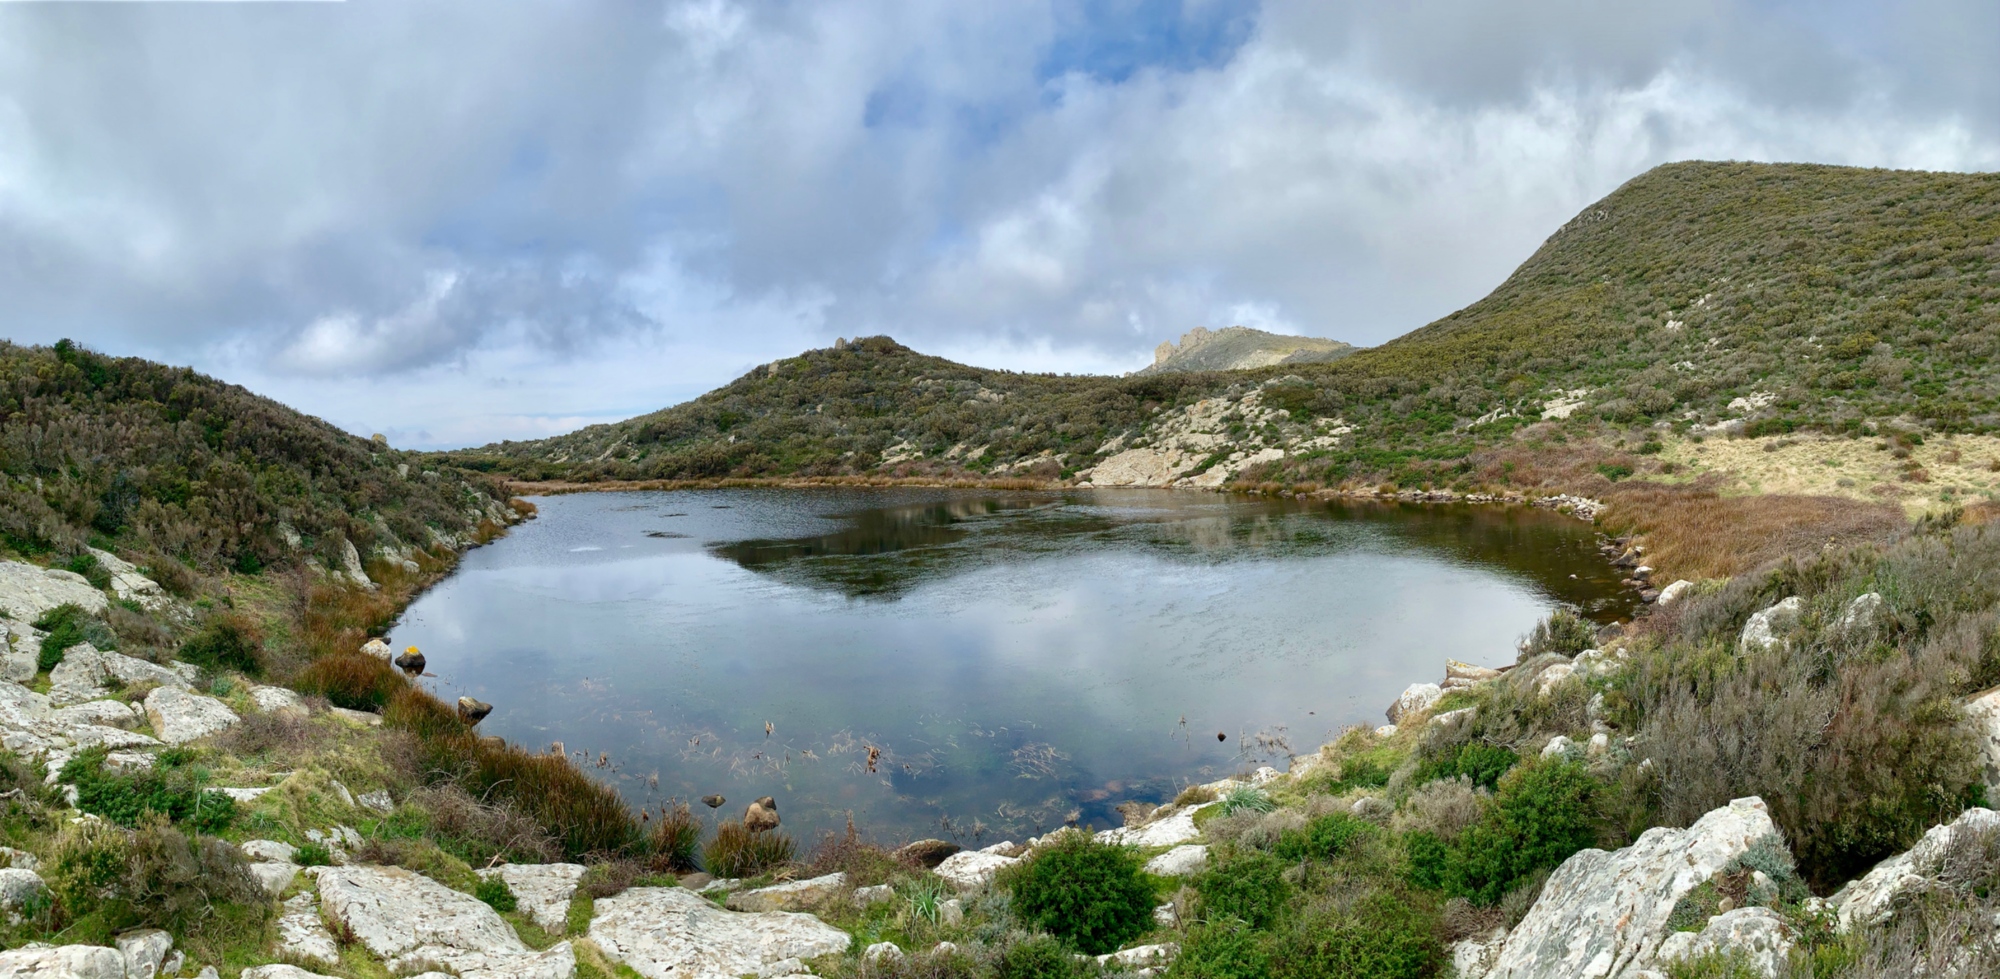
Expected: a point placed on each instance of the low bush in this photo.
(227, 642)
(1040, 957)
(1324, 838)
(1563, 632)
(1443, 808)
(69, 625)
(735, 851)
(1543, 813)
(495, 893)
(676, 839)
(1245, 799)
(313, 855)
(1094, 896)
(93, 570)
(1245, 885)
(1379, 936)
(356, 681)
(1483, 763)
(1221, 950)
(107, 880)
(129, 798)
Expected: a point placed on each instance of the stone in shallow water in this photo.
(543, 890)
(1605, 914)
(671, 933)
(410, 921)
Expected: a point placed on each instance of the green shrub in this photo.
(738, 852)
(68, 625)
(88, 865)
(1562, 632)
(107, 879)
(1543, 813)
(128, 798)
(1040, 957)
(1482, 762)
(313, 855)
(495, 893)
(1245, 885)
(1324, 838)
(1381, 936)
(676, 839)
(356, 681)
(1245, 799)
(1221, 950)
(226, 642)
(1092, 895)
(87, 565)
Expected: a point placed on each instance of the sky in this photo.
(458, 222)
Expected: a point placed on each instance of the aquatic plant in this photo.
(735, 851)
(1245, 799)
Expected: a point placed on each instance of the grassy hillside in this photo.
(198, 476)
(1696, 298)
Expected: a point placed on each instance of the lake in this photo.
(976, 665)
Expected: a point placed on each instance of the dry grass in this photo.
(1695, 532)
(738, 852)
(558, 487)
(356, 681)
(1948, 468)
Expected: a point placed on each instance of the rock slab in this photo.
(179, 716)
(672, 933)
(543, 890)
(798, 895)
(62, 962)
(412, 922)
(1872, 899)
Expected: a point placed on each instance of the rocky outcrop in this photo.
(1179, 861)
(543, 890)
(129, 584)
(1766, 629)
(1606, 914)
(62, 962)
(1873, 899)
(277, 700)
(145, 950)
(973, 869)
(86, 673)
(925, 853)
(412, 922)
(1168, 827)
(179, 716)
(302, 932)
(1417, 698)
(20, 888)
(27, 590)
(798, 895)
(672, 933)
(1758, 938)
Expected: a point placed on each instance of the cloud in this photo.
(372, 209)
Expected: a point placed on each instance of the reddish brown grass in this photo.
(1693, 532)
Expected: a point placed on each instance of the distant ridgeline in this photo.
(1240, 348)
(195, 473)
(1699, 296)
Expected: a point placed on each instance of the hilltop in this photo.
(1240, 348)
(1697, 299)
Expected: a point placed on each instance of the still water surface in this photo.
(1019, 659)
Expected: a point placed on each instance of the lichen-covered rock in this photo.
(1415, 699)
(283, 972)
(302, 933)
(926, 853)
(378, 649)
(1472, 958)
(270, 851)
(274, 876)
(672, 933)
(1168, 827)
(543, 890)
(1673, 593)
(179, 716)
(798, 895)
(409, 920)
(973, 869)
(277, 700)
(875, 894)
(1766, 629)
(110, 713)
(20, 887)
(1605, 914)
(1872, 899)
(144, 950)
(1180, 861)
(1142, 956)
(1860, 613)
(26, 591)
(85, 672)
(1757, 938)
(129, 584)
(62, 962)
(1557, 673)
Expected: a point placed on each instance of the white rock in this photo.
(18, 859)
(1599, 744)
(179, 716)
(87, 736)
(378, 649)
(865, 896)
(882, 950)
(1860, 613)
(19, 886)
(971, 869)
(798, 895)
(1548, 679)
(1605, 914)
(1466, 674)
(543, 890)
(274, 700)
(64, 962)
(1757, 937)
(1451, 717)
(302, 933)
(269, 851)
(1597, 662)
(26, 591)
(1473, 958)
(671, 933)
(79, 677)
(245, 795)
(144, 950)
(1141, 956)
(1170, 829)
(129, 761)
(408, 920)
(361, 717)
(1983, 710)
(1415, 699)
(1870, 900)
(274, 876)
(350, 564)
(1672, 593)
(1385, 730)
(1559, 746)
(110, 713)
(129, 585)
(377, 800)
(282, 971)
(1765, 628)
(1179, 861)
(1166, 916)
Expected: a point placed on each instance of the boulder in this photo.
(1605, 914)
(972, 869)
(20, 651)
(378, 800)
(1179, 861)
(18, 859)
(19, 887)
(1169, 827)
(268, 851)
(1757, 938)
(1598, 662)
(1458, 676)
(798, 895)
(409, 920)
(1872, 899)
(350, 565)
(672, 933)
(1415, 699)
(274, 876)
(882, 950)
(865, 896)
(1547, 681)
(543, 890)
(302, 933)
(179, 716)
(1472, 958)
(85, 671)
(1142, 956)
(952, 912)
(277, 700)
(1984, 712)
(361, 718)
(144, 950)
(1673, 593)
(285, 972)
(130, 585)
(925, 853)
(378, 649)
(1860, 613)
(26, 591)
(62, 962)
(1560, 746)
(109, 713)
(1766, 629)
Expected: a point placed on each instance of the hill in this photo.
(192, 475)
(1697, 299)
(1240, 348)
